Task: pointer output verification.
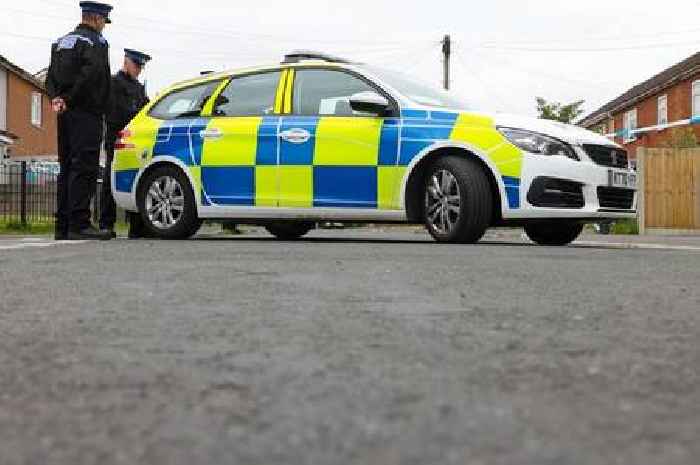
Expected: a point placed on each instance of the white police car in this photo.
(317, 138)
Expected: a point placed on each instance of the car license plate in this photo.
(623, 179)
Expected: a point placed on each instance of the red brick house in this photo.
(652, 113)
(26, 117)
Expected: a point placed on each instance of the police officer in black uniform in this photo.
(78, 83)
(128, 97)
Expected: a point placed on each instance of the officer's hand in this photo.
(59, 105)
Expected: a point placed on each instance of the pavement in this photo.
(350, 347)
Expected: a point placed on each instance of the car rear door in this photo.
(331, 156)
(239, 157)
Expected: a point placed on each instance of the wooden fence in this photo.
(669, 183)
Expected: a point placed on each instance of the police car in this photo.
(318, 138)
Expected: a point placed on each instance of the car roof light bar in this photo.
(300, 55)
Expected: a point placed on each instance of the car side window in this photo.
(184, 103)
(326, 92)
(252, 95)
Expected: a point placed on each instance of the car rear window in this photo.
(184, 103)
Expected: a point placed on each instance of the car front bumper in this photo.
(594, 186)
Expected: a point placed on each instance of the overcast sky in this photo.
(506, 52)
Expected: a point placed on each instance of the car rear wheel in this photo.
(289, 231)
(458, 200)
(167, 204)
(554, 233)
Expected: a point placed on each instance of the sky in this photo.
(505, 52)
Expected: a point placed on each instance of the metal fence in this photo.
(28, 191)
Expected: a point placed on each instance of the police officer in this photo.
(128, 97)
(78, 83)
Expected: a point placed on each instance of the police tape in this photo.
(630, 133)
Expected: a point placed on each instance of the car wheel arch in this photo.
(414, 179)
(160, 162)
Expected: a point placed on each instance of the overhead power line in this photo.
(601, 49)
(584, 38)
(538, 72)
(187, 29)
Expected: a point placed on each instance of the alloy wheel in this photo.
(443, 202)
(165, 202)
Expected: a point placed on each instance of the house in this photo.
(655, 112)
(27, 123)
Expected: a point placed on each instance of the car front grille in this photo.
(607, 156)
(616, 198)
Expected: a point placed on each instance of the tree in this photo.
(558, 112)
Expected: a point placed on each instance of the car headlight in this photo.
(537, 143)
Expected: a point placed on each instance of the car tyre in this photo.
(167, 205)
(554, 233)
(458, 202)
(289, 231)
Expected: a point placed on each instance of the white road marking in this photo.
(36, 244)
(630, 245)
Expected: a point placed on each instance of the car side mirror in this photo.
(369, 102)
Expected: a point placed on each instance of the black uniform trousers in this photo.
(108, 208)
(79, 141)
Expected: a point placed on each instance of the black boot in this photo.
(60, 233)
(109, 230)
(137, 230)
(89, 234)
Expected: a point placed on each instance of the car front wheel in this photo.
(458, 200)
(554, 233)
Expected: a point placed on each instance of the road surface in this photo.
(351, 347)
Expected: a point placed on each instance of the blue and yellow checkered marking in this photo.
(345, 186)
(421, 129)
(181, 139)
(229, 185)
(347, 162)
(512, 186)
(266, 150)
(298, 154)
(124, 180)
(351, 162)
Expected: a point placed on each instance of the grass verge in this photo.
(16, 227)
(625, 227)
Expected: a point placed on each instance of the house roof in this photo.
(664, 79)
(13, 68)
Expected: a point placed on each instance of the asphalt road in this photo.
(348, 348)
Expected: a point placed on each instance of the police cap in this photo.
(137, 57)
(101, 9)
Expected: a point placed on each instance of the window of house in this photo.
(36, 109)
(662, 110)
(184, 103)
(696, 98)
(630, 124)
(252, 95)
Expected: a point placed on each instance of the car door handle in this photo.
(296, 135)
(212, 133)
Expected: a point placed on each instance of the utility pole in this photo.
(446, 52)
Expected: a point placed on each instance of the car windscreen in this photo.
(421, 93)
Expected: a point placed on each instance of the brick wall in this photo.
(679, 108)
(34, 141)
